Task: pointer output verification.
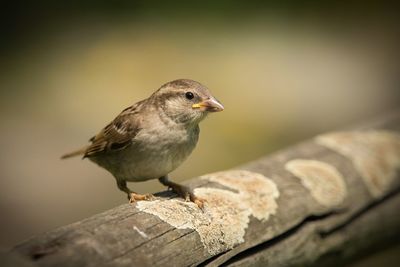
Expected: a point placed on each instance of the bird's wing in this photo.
(118, 134)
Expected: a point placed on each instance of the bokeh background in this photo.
(285, 71)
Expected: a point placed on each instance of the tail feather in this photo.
(74, 153)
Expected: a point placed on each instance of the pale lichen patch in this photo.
(225, 216)
(323, 180)
(375, 155)
(255, 190)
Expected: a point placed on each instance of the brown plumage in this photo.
(152, 137)
(118, 134)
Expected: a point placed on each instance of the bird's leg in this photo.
(183, 191)
(132, 196)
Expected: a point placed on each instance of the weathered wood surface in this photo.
(326, 200)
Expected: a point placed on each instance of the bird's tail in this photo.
(74, 153)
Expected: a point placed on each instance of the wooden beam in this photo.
(326, 200)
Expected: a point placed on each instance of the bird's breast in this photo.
(155, 153)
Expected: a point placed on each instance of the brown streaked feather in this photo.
(118, 134)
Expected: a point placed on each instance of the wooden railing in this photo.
(324, 201)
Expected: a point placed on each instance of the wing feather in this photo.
(118, 134)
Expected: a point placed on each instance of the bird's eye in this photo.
(189, 95)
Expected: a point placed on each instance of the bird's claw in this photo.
(133, 197)
(190, 197)
(199, 202)
(186, 197)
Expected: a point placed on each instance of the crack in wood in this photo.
(41, 251)
(278, 238)
(115, 220)
(359, 213)
(322, 234)
(182, 236)
(141, 244)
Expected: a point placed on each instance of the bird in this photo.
(152, 137)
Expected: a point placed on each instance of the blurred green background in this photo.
(285, 71)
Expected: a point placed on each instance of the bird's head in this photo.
(186, 101)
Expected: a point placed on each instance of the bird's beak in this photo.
(211, 104)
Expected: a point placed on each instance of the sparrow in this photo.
(151, 138)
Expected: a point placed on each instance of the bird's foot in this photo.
(196, 200)
(188, 195)
(133, 197)
(183, 191)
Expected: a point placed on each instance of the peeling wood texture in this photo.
(322, 202)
